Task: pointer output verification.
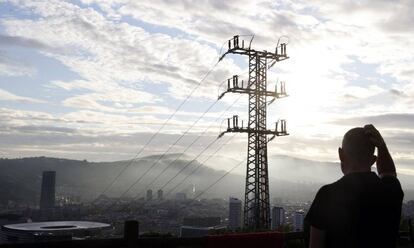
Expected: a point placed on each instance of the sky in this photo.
(94, 79)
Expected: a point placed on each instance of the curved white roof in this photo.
(56, 226)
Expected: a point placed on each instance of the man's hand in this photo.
(375, 136)
(385, 164)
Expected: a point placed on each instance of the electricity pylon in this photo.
(256, 202)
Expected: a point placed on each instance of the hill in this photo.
(292, 178)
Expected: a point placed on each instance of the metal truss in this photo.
(257, 202)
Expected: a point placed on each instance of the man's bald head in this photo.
(358, 148)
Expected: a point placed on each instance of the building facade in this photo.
(47, 194)
(149, 195)
(160, 194)
(298, 221)
(235, 213)
(278, 217)
(181, 196)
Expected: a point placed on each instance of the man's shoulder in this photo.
(332, 186)
(356, 179)
(363, 182)
(325, 190)
(339, 185)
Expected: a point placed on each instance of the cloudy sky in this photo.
(94, 79)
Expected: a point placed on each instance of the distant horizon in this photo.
(289, 178)
(282, 162)
(150, 155)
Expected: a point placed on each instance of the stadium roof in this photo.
(56, 226)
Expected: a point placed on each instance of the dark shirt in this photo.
(358, 210)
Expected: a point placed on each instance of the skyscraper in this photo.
(278, 217)
(160, 194)
(181, 196)
(298, 221)
(47, 194)
(235, 213)
(149, 195)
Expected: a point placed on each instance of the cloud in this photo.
(391, 120)
(10, 66)
(6, 40)
(112, 53)
(47, 129)
(7, 96)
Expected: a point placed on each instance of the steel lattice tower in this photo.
(257, 202)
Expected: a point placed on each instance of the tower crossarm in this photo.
(235, 85)
(237, 46)
(233, 127)
(249, 91)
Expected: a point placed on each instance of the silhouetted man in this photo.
(362, 209)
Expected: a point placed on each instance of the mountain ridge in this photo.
(290, 177)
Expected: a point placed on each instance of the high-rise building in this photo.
(181, 196)
(298, 221)
(47, 194)
(278, 217)
(235, 213)
(149, 195)
(160, 194)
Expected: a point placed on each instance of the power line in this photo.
(209, 187)
(129, 188)
(159, 130)
(192, 143)
(196, 168)
(218, 180)
(153, 165)
(213, 141)
(169, 148)
(199, 166)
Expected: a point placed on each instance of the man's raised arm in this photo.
(385, 164)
